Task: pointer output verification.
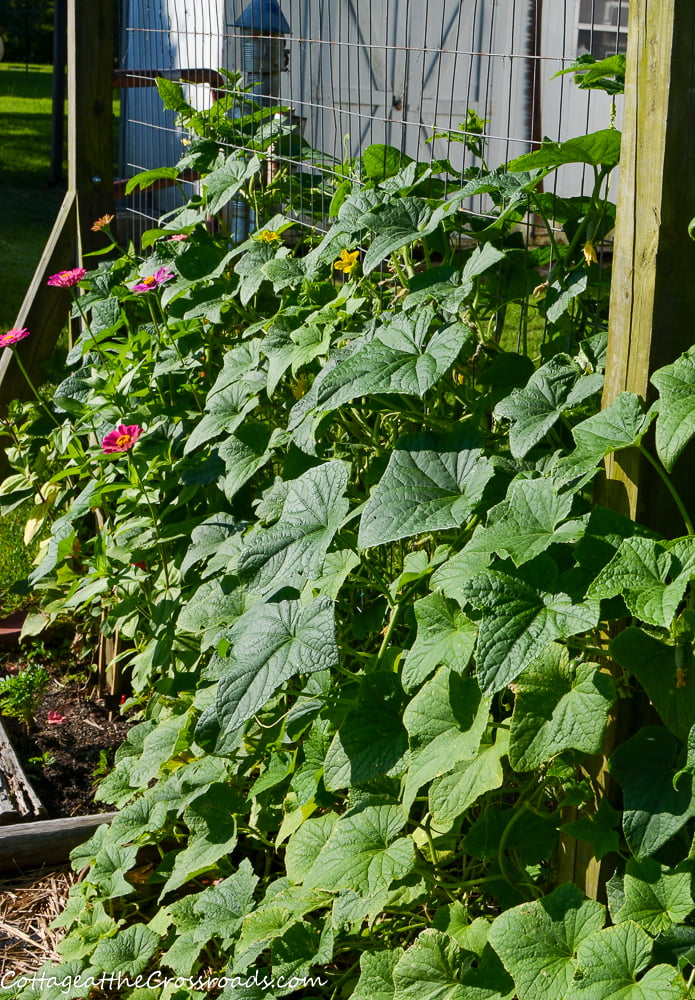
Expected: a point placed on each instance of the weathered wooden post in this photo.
(90, 115)
(652, 292)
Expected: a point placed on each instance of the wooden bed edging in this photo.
(46, 842)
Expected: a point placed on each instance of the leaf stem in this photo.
(670, 487)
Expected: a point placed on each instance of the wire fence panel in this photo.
(352, 73)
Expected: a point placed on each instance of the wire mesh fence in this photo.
(411, 74)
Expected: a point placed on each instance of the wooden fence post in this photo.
(90, 118)
(652, 303)
(653, 285)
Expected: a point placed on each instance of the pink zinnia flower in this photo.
(152, 280)
(122, 439)
(177, 238)
(55, 718)
(66, 279)
(13, 336)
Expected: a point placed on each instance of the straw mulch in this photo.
(28, 904)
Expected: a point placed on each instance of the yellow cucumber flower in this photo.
(347, 262)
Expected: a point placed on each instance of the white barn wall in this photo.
(166, 35)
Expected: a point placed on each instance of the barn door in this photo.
(367, 71)
(408, 69)
(394, 70)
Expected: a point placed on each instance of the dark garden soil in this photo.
(64, 759)
(85, 742)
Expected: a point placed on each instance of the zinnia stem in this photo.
(32, 386)
(160, 543)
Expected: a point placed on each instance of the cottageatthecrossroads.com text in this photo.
(113, 981)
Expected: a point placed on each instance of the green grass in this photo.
(29, 205)
(15, 559)
(29, 208)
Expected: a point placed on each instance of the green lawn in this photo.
(29, 207)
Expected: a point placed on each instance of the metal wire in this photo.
(377, 71)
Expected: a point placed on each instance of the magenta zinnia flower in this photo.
(152, 280)
(122, 439)
(55, 718)
(12, 336)
(66, 279)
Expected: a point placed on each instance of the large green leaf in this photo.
(137, 820)
(259, 929)
(270, 644)
(656, 897)
(207, 538)
(675, 424)
(559, 297)
(559, 705)
(220, 908)
(445, 721)
(128, 953)
(435, 967)
(363, 851)
(372, 740)
(669, 685)
(455, 792)
(214, 607)
(644, 767)
(225, 411)
(603, 535)
(395, 224)
(537, 941)
(432, 482)
(222, 184)
(376, 975)
(444, 636)
(600, 148)
(557, 386)
(519, 621)
(468, 562)
(401, 358)
(163, 742)
(380, 161)
(532, 517)
(450, 287)
(306, 844)
(650, 575)
(619, 425)
(212, 834)
(247, 451)
(292, 551)
(610, 962)
(242, 368)
(214, 914)
(110, 867)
